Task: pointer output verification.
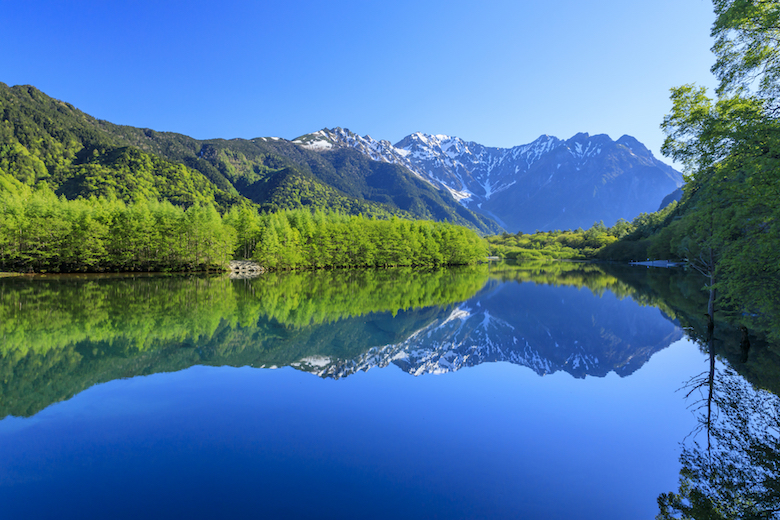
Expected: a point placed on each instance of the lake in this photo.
(501, 391)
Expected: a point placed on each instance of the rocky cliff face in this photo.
(547, 184)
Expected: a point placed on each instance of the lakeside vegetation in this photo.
(582, 244)
(727, 225)
(41, 232)
(299, 239)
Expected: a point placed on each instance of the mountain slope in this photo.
(547, 184)
(585, 180)
(243, 162)
(46, 140)
(361, 186)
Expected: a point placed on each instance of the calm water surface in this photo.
(501, 393)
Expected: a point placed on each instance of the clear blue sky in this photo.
(497, 72)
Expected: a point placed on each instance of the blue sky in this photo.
(497, 72)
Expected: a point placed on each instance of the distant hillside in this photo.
(46, 140)
(675, 196)
(548, 184)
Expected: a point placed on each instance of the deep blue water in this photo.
(493, 441)
(490, 439)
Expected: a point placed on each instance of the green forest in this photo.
(727, 225)
(79, 194)
(41, 232)
(598, 242)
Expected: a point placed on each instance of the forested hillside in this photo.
(46, 140)
(261, 168)
(727, 225)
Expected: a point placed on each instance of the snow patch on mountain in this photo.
(545, 169)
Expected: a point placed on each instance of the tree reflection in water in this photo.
(736, 474)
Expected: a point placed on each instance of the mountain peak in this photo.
(319, 141)
(634, 145)
(540, 179)
(426, 139)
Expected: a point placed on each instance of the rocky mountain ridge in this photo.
(530, 186)
(547, 184)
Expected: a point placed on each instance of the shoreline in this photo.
(658, 263)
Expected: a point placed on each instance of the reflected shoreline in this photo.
(66, 333)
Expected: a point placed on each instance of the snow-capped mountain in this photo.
(551, 329)
(547, 184)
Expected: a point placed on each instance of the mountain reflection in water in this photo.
(64, 334)
(493, 441)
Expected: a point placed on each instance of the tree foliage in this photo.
(300, 239)
(45, 140)
(42, 232)
(576, 244)
(730, 223)
(746, 46)
(727, 225)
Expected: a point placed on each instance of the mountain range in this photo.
(547, 184)
(45, 140)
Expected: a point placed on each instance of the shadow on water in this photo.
(680, 295)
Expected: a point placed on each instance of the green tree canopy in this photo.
(728, 225)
